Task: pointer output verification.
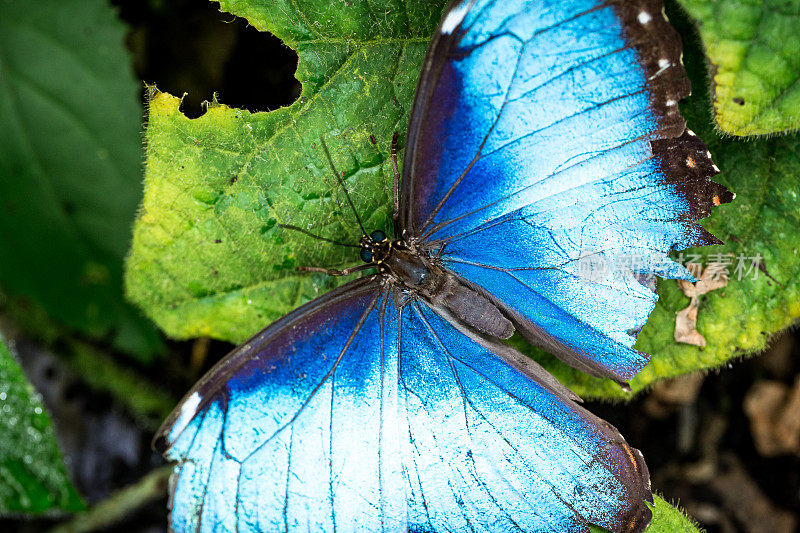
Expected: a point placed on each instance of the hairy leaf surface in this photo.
(754, 50)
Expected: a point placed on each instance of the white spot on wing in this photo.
(644, 17)
(663, 63)
(671, 103)
(188, 410)
(454, 18)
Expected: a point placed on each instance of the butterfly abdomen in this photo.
(472, 308)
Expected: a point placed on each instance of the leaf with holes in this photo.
(210, 255)
(33, 479)
(70, 164)
(754, 50)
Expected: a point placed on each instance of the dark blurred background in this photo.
(191, 47)
(725, 446)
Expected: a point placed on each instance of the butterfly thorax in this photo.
(418, 273)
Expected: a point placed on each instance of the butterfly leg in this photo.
(396, 196)
(334, 272)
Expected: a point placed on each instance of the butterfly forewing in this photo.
(547, 153)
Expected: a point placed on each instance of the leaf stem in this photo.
(120, 504)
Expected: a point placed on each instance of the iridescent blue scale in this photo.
(544, 135)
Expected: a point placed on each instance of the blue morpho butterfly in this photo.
(541, 130)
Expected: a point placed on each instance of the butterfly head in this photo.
(375, 247)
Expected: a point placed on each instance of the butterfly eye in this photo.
(378, 236)
(366, 255)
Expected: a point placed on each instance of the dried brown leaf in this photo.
(714, 276)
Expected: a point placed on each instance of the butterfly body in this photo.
(416, 272)
(542, 132)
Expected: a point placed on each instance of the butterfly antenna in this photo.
(320, 237)
(341, 182)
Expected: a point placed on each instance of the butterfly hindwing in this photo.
(363, 411)
(548, 155)
(492, 450)
(266, 441)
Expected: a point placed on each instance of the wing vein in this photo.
(464, 403)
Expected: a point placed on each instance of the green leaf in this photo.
(754, 49)
(210, 257)
(33, 479)
(668, 519)
(70, 165)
